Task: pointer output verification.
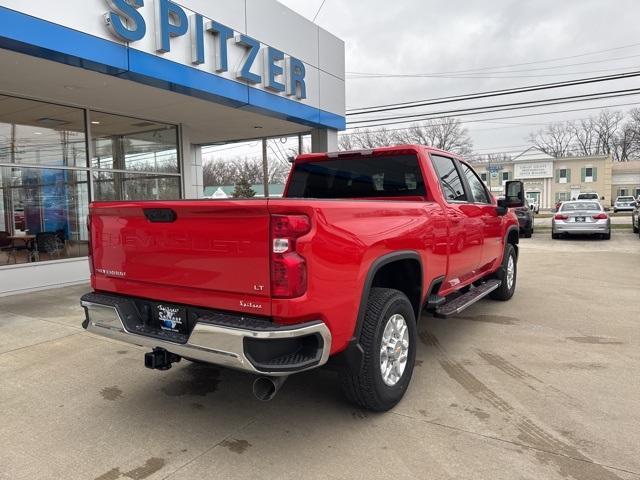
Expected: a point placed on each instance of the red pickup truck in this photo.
(339, 270)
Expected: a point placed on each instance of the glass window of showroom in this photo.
(50, 168)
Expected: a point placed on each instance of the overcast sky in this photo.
(434, 36)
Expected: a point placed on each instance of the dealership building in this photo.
(114, 99)
(549, 180)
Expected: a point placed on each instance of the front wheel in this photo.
(388, 339)
(507, 273)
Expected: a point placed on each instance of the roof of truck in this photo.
(395, 149)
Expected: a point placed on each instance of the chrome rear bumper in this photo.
(223, 345)
(582, 228)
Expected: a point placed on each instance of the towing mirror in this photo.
(513, 195)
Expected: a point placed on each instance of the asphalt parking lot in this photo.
(543, 387)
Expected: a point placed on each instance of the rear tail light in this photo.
(559, 216)
(601, 216)
(288, 268)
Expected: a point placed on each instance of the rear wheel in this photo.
(606, 236)
(388, 339)
(634, 226)
(555, 236)
(507, 274)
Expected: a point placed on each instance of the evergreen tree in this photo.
(243, 189)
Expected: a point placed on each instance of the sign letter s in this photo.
(124, 21)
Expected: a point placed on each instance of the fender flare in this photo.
(353, 355)
(512, 228)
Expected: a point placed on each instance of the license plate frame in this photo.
(581, 219)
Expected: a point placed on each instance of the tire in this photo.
(606, 236)
(366, 387)
(635, 229)
(555, 236)
(506, 291)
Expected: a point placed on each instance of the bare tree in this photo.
(220, 172)
(554, 140)
(629, 139)
(492, 158)
(447, 134)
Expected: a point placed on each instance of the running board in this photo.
(464, 301)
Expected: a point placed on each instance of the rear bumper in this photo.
(619, 208)
(582, 228)
(237, 342)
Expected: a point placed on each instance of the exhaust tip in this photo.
(266, 388)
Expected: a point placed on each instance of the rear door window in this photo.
(450, 180)
(361, 177)
(478, 192)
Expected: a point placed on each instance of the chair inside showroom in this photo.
(6, 246)
(49, 243)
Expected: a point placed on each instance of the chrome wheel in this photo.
(511, 272)
(394, 350)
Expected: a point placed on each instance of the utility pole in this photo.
(265, 168)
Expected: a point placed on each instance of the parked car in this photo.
(635, 217)
(624, 204)
(525, 216)
(341, 268)
(581, 217)
(588, 196)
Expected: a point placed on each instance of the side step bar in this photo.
(464, 301)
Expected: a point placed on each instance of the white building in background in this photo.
(113, 99)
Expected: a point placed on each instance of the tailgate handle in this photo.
(160, 215)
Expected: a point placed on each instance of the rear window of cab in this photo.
(360, 177)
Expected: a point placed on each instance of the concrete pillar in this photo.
(191, 167)
(324, 140)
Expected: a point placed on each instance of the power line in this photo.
(489, 76)
(512, 116)
(491, 93)
(555, 67)
(523, 64)
(512, 106)
(319, 10)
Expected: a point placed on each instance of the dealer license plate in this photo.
(172, 318)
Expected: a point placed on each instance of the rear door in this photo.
(491, 222)
(207, 253)
(466, 227)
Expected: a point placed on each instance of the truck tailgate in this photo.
(208, 253)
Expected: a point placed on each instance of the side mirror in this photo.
(513, 195)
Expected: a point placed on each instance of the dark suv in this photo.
(525, 216)
(635, 217)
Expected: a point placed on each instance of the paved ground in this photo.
(543, 387)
